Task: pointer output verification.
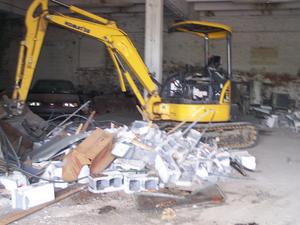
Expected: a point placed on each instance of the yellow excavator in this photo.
(200, 98)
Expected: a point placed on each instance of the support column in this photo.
(154, 37)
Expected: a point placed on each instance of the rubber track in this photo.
(234, 135)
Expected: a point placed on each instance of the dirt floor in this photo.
(269, 196)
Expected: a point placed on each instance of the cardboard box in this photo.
(95, 150)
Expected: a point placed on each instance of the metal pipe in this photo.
(60, 3)
(184, 133)
(229, 56)
(69, 117)
(206, 50)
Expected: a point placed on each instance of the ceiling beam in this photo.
(19, 7)
(91, 4)
(106, 3)
(247, 13)
(230, 6)
(104, 10)
(242, 1)
(179, 8)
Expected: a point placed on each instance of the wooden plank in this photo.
(89, 120)
(60, 195)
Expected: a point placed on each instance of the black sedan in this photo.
(49, 98)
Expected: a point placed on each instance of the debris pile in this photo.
(276, 118)
(144, 151)
(289, 120)
(133, 159)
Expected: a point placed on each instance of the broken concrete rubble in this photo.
(245, 159)
(138, 158)
(283, 119)
(272, 121)
(277, 117)
(128, 164)
(177, 158)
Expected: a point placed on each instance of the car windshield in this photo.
(53, 86)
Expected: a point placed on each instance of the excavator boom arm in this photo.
(123, 53)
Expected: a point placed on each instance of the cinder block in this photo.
(128, 182)
(30, 196)
(243, 157)
(140, 182)
(120, 149)
(168, 171)
(106, 183)
(54, 172)
(14, 180)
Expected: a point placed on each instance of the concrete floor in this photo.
(269, 197)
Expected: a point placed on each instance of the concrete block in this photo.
(122, 134)
(245, 159)
(151, 183)
(167, 170)
(133, 185)
(14, 181)
(30, 196)
(202, 172)
(223, 158)
(106, 183)
(54, 172)
(193, 136)
(126, 164)
(140, 182)
(128, 182)
(140, 127)
(183, 183)
(142, 155)
(83, 175)
(120, 149)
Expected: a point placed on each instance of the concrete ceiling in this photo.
(181, 8)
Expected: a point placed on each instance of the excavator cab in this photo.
(206, 86)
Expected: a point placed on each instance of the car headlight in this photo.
(70, 105)
(34, 104)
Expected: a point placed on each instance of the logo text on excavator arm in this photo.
(83, 29)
